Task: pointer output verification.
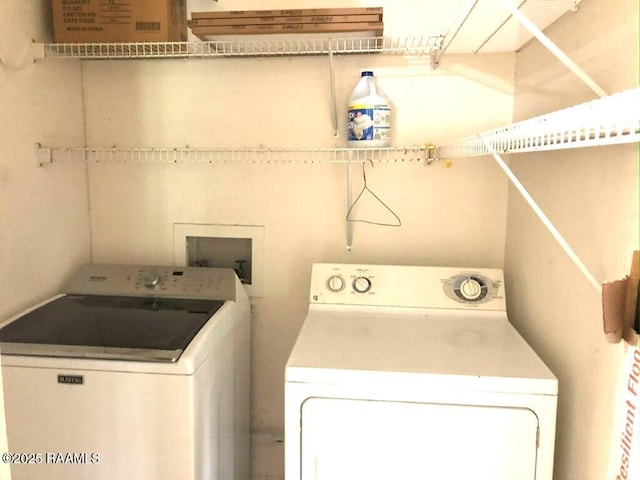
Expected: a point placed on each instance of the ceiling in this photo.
(491, 28)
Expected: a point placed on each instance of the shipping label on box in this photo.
(105, 21)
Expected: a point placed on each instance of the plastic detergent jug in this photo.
(369, 118)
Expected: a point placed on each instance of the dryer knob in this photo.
(362, 284)
(335, 283)
(472, 289)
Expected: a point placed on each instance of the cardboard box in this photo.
(102, 21)
(376, 27)
(206, 25)
(287, 13)
(229, 21)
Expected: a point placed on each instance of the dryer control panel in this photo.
(471, 287)
(154, 281)
(408, 286)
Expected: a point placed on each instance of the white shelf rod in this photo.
(349, 225)
(545, 220)
(553, 48)
(334, 104)
(232, 155)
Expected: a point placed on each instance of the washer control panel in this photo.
(154, 281)
(407, 286)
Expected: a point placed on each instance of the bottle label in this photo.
(369, 122)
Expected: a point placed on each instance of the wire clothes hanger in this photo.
(365, 188)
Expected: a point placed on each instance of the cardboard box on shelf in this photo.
(287, 13)
(376, 27)
(300, 19)
(368, 21)
(99, 21)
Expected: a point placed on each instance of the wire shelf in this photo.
(233, 155)
(606, 121)
(288, 46)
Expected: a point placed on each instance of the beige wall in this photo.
(44, 221)
(591, 195)
(53, 218)
(286, 102)
(277, 102)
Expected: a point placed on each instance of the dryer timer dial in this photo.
(362, 284)
(470, 288)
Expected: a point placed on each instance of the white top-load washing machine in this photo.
(135, 372)
(415, 373)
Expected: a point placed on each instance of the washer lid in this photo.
(479, 352)
(108, 327)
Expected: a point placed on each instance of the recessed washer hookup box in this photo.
(106, 21)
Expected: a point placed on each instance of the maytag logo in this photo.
(97, 278)
(71, 379)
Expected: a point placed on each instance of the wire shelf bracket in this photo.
(43, 155)
(545, 220)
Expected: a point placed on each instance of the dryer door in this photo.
(346, 439)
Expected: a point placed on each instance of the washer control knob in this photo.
(471, 289)
(335, 283)
(362, 284)
(151, 279)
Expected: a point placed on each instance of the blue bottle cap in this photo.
(367, 73)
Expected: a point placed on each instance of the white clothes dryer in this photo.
(133, 372)
(415, 372)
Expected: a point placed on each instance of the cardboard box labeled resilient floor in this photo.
(99, 21)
